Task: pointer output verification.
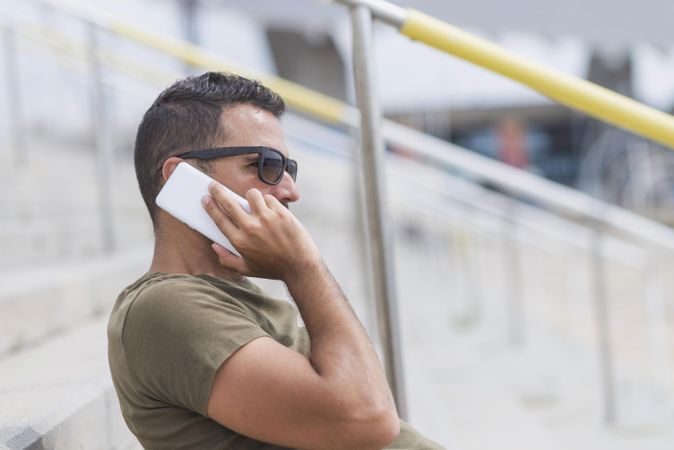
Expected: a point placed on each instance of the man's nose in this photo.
(286, 191)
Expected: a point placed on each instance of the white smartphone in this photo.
(181, 197)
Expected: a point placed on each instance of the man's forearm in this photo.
(341, 351)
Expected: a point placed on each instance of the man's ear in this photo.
(169, 166)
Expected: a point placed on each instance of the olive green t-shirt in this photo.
(167, 336)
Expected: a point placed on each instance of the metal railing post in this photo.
(469, 261)
(101, 135)
(656, 310)
(188, 12)
(14, 105)
(512, 264)
(189, 16)
(372, 173)
(602, 318)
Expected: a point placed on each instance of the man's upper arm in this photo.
(165, 335)
(273, 394)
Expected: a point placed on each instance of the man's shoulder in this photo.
(166, 282)
(162, 287)
(166, 293)
(165, 300)
(163, 311)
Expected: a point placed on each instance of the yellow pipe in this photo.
(576, 93)
(64, 46)
(297, 97)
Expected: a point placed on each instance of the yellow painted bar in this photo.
(568, 90)
(297, 97)
(71, 48)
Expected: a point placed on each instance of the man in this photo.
(200, 357)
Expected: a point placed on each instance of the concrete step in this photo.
(49, 209)
(60, 396)
(32, 194)
(43, 244)
(36, 304)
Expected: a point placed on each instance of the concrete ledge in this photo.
(41, 302)
(26, 245)
(60, 396)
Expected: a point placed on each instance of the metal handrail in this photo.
(455, 189)
(378, 238)
(563, 199)
(565, 89)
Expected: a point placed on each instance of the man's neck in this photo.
(179, 249)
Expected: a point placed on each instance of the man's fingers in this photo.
(227, 202)
(222, 220)
(271, 201)
(256, 201)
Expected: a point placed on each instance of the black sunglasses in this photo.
(270, 167)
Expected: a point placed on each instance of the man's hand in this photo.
(272, 242)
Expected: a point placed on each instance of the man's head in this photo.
(206, 111)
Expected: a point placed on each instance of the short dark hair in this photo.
(187, 116)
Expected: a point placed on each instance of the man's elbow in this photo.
(373, 427)
(387, 428)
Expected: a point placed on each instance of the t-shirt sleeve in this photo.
(176, 336)
(411, 439)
